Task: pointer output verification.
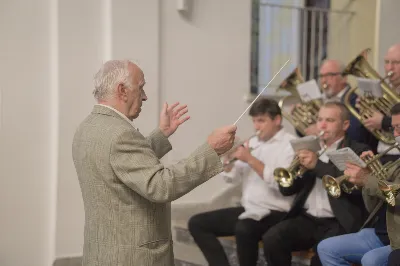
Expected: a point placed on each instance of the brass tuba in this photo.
(286, 176)
(360, 67)
(299, 116)
(334, 186)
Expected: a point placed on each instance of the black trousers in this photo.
(299, 233)
(206, 227)
(394, 258)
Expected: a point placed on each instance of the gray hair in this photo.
(111, 74)
(342, 66)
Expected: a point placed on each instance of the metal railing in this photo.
(306, 35)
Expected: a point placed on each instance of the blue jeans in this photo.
(363, 247)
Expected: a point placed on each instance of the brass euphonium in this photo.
(286, 176)
(360, 67)
(334, 186)
(299, 116)
(390, 191)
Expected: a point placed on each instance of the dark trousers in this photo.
(206, 227)
(394, 258)
(389, 157)
(295, 234)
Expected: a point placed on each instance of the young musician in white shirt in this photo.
(262, 205)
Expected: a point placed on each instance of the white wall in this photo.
(82, 48)
(27, 133)
(201, 58)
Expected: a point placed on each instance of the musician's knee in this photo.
(273, 239)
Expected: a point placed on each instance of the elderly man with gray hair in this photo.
(126, 190)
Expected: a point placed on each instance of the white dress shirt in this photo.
(260, 195)
(317, 203)
(337, 97)
(383, 146)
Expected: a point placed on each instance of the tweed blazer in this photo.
(374, 198)
(127, 192)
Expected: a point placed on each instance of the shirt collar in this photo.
(120, 114)
(278, 136)
(341, 93)
(337, 97)
(334, 145)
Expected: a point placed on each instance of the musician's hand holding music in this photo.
(357, 105)
(294, 106)
(375, 121)
(357, 175)
(308, 159)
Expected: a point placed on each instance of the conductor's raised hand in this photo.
(172, 117)
(222, 139)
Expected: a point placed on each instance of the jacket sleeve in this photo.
(135, 163)
(322, 169)
(159, 143)
(386, 122)
(371, 191)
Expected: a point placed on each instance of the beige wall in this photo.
(360, 29)
(28, 133)
(201, 59)
(387, 29)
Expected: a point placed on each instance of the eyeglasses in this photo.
(392, 62)
(329, 74)
(395, 128)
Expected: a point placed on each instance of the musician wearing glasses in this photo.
(316, 216)
(334, 85)
(262, 205)
(369, 246)
(378, 120)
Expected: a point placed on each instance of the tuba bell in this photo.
(286, 176)
(389, 190)
(360, 67)
(305, 113)
(334, 186)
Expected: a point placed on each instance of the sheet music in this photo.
(345, 155)
(309, 90)
(370, 87)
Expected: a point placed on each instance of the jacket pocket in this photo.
(155, 243)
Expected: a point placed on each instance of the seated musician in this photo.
(316, 216)
(370, 246)
(334, 85)
(262, 205)
(378, 120)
